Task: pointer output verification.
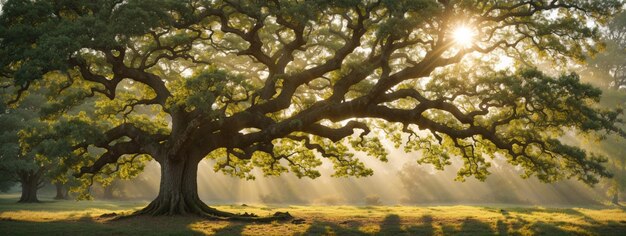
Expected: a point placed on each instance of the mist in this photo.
(400, 181)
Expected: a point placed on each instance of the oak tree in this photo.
(608, 70)
(610, 66)
(280, 85)
(26, 168)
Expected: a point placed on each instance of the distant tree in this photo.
(269, 84)
(110, 180)
(59, 123)
(614, 149)
(15, 166)
(610, 68)
(34, 138)
(617, 185)
(611, 64)
(62, 192)
(373, 200)
(64, 182)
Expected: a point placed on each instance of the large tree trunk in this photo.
(30, 184)
(178, 195)
(615, 199)
(178, 191)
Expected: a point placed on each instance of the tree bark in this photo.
(178, 191)
(615, 199)
(178, 195)
(61, 192)
(30, 185)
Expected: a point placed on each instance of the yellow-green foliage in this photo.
(249, 74)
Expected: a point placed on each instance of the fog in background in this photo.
(399, 181)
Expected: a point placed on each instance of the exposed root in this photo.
(195, 207)
(107, 215)
(278, 216)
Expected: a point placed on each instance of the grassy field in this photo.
(84, 218)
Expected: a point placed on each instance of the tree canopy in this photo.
(16, 166)
(277, 85)
(608, 68)
(611, 65)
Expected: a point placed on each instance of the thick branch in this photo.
(111, 156)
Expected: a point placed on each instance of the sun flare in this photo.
(464, 36)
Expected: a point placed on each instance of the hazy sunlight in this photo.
(464, 36)
(359, 117)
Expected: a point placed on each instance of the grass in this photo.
(83, 218)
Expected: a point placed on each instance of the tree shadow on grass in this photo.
(49, 205)
(425, 228)
(503, 228)
(544, 228)
(567, 228)
(518, 225)
(231, 229)
(391, 225)
(326, 228)
(566, 211)
(557, 227)
(469, 226)
(85, 224)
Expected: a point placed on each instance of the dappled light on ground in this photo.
(87, 218)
